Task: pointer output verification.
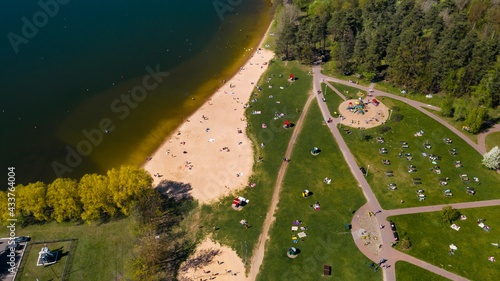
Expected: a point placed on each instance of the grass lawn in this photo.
(430, 239)
(275, 139)
(367, 153)
(409, 272)
(271, 39)
(328, 242)
(50, 272)
(101, 251)
(327, 70)
(348, 91)
(332, 99)
(457, 124)
(492, 140)
(396, 90)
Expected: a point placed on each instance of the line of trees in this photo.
(88, 199)
(429, 46)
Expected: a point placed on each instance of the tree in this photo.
(286, 39)
(96, 197)
(63, 198)
(31, 200)
(449, 214)
(4, 208)
(127, 184)
(492, 159)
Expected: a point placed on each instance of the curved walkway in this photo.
(388, 253)
(481, 137)
(258, 256)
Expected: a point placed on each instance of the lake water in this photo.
(70, 70)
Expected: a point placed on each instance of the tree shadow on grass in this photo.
(173, 189)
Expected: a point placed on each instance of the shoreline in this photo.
(213, 132)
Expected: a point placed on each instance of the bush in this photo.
(395, 108)
(405, 244)
(397, 117)
(449, 214)
(384, 129)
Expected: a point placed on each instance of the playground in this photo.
(363, 113)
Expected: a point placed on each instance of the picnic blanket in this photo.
(295, 228)
(302, 234)
(456, 227)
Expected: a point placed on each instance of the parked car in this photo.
(393, 226)
(22, 239)
(396, 237)
(362, 170)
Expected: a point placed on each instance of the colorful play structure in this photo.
(359, 106)
(292, 253)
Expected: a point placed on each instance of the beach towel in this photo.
(302, 234)
(425, 155)
(295, 228)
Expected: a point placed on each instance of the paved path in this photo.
(481, 137)
(258, 256)
(372, 204)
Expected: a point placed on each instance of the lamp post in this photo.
(390, 115)
(367, 168)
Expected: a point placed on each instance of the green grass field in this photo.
(332, 99)
(492, 140)
(367, 153)
(270, 39)
(396, 90)
(456, 124)
(409, 272)
(328, 242)
(327, 70)
(275, 139)
(430, 238)
(50, 272)
(101, 251)
(348, 91)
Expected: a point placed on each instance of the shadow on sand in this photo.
(173, 189)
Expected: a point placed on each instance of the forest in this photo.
(447, 47)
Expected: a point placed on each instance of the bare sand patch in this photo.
(211, 260)
(374, 115)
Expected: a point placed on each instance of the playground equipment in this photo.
(315, 151)
(46, 257)
(292, 253)
(306, 193)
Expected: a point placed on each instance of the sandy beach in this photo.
(213, 261)
(209, 155)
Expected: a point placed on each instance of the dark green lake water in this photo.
(73, 69)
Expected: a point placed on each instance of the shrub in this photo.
(397, 117)
(395, 108)
(384, 129)
(405, 244)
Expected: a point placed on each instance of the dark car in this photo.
(22, 239)
(362, 170)
(396, 237)
(393, 226)
(12, 247)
